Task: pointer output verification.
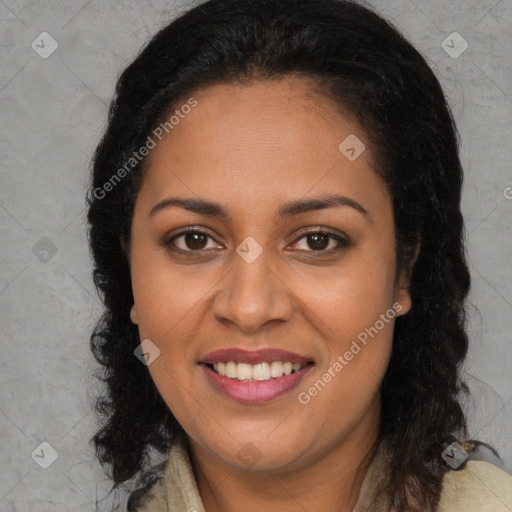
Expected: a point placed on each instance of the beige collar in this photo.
(178, 492)
(479, 487)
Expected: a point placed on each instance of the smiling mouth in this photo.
(260, 372)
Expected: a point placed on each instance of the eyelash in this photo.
(343, 243)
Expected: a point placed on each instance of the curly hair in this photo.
(363, 63)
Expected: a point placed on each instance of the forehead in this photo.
(261, 141)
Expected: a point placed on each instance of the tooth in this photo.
(276, 369)
(244, 371)
(231, 370)
(261, 371)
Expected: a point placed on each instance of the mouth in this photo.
(253, 377)
(253, 391)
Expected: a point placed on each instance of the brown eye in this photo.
(317, 241)
(195, 240)
(191, 240)
(321, 241)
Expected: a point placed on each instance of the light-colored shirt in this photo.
(479, 487)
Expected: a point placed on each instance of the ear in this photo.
(402, 292)
(133, 315)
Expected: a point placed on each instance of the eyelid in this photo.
(321, 229)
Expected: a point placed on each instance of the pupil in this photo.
(315, 237)
(193, 242)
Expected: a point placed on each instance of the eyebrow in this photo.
(287, 210)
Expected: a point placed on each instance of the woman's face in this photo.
(261, 276)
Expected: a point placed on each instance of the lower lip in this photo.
(255, 391)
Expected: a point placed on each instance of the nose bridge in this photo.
(251, 294)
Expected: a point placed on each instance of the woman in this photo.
(276, 229)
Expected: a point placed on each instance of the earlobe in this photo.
(403, 298)
(133, 315)
(403, 295)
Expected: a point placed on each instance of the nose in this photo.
(252, 295)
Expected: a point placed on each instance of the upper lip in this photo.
(239, 355)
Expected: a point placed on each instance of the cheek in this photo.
(167, 297)
(358, 347)
(171, 303)
(353, 309)
(350, 299)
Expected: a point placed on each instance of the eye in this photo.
(193, 239)
(190, 240)
(321, 241)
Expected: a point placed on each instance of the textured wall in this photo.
(52, 110)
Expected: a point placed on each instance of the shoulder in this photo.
(479, 487)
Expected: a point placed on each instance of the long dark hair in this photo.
(365, 65)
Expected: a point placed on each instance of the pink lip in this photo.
(255, 391)
(239, 355)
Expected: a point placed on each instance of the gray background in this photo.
(52, 114)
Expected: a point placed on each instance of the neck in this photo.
(330, 481)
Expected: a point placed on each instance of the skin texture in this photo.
(252, 148)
